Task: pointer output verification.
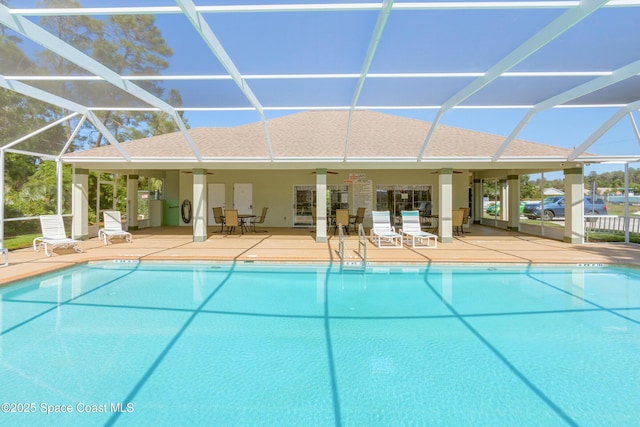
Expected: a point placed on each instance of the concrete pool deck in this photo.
(480, 245)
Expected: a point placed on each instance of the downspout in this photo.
(626, 203)
(59, 187)
(2, 198)
(73, 199)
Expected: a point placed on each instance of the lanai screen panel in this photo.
(265, 59)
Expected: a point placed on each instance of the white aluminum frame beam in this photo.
(59, 101)
(203, 28)
(634, 125)
(321, 7)
(42, 129)
(72, 137)
(617, 76)
(381, 22)
(39, 35)
(558, 26)
(603, 129)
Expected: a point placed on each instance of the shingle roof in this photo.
(323, 134)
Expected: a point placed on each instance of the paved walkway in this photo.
(481, 245)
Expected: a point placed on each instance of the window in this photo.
(397, 198)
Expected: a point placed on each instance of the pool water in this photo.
(223, 344)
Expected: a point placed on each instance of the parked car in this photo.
(494, 209)
(554, 208)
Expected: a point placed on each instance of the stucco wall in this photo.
(275, 188)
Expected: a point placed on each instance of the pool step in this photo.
(352, 261)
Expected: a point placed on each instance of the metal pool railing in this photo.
(341, 245)
(362, 245)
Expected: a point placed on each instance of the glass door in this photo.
(304, 198)
(396, 198)
(338, 198)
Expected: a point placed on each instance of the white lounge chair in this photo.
(54, 236)
(382, 234)
(413, 232)
(113, 227)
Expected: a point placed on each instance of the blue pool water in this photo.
(239, 345)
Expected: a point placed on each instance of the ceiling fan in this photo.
(208, 173)
(328, 172)
(453, 172)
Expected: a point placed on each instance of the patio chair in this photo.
(342, 220)
(382, 234)
(465, 218)
(412, 230)
(218, 214)
(457, 219)
(358, 219)
(113, 228)
(54, 236)
(5, 252)
(259, 220)
(231, 220)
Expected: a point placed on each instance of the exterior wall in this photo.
(274, 188)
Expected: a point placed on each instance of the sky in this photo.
(412, 41)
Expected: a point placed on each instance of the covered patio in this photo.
(481, 245)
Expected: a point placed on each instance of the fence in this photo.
(612, 224)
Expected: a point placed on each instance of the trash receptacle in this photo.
(171, 213)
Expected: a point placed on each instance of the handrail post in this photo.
(362, 241)
(341, 246)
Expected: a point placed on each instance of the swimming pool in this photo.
(223, 344)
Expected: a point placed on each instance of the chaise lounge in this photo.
(382, 234)
(54, 236)
(113, 228)
(413, 232)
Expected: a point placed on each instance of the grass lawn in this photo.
(20, 242)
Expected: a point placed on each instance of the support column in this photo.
(574, 205)
(477, 201)
(513, 212)
(504, 200)
(445, 202)
(199, 205)
(132, 202)
(80, 204)
(321, 205)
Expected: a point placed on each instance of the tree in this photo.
(19, 116)
(133, 45)
(80, 32)
(529, 190)
(128, 45)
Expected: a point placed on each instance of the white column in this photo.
(199, 205)
(513, 190)
(132, 202)
(80, 204)
(445, 202)
(504, 199)
(321, 205)
(574, 205)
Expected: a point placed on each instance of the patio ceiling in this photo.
(421, 59)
